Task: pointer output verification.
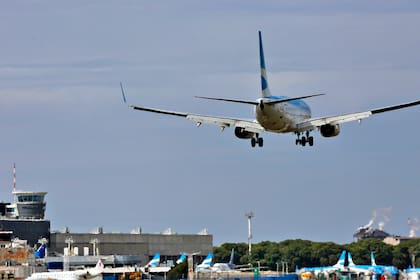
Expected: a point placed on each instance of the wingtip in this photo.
(123, 94)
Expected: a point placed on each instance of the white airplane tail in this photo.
(99, 265)
(231, 264)
(265, 91)
(93, 272)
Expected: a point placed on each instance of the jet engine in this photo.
(240, 132)
(330, 130)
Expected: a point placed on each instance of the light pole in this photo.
(95, 243)
(249, 215)
(284, 265)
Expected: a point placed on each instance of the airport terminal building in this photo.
(144, 245)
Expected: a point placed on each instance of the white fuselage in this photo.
(282, 117)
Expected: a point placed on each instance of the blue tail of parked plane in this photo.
(181, 258)
(206, 263)
(372, 259)
(40, 252)
(155, 261)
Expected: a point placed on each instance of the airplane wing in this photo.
(333, 120)
(223, 122)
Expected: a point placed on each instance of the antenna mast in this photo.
(14, 177)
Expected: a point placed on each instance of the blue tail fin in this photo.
(155, 261)
(265, 91)
(181, 258)
(342, 259)
(40, 252)
(372, 259)
(207, 261)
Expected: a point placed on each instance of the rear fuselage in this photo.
(281, 117)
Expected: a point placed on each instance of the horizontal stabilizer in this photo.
(292, 99)
(229, 100)
(265, 100)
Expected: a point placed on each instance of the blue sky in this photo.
(63, 122)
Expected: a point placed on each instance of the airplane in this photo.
(388, 268)
(341, 263)
(206, 263)
(40, 252)
(379, 269)
(344, 265)
(276, 114)
(153, 266)
(224, 266)
(82, 274)
(181, 258)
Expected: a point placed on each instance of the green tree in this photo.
(180, 271)
(305, 253)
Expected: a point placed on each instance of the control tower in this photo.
(27, 205)
(24, 217)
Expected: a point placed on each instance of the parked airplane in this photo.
(40, 252)
(224, 267)
(277, 114)
(153, 266)
(346, 264)
(218, 267)
(71, 275)
(206, 263)
(341, 263)
(379, 269)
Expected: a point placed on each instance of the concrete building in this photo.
(25, 216)
(170, 246)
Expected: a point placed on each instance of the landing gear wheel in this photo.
(303, 141)
(311, 141)
(260, 142)
(253, 142)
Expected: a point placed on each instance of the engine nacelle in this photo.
(330, 130)
(242, 133)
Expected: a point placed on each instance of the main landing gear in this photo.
(304, 139)
(257, 140)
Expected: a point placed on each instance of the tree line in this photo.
(304, 253)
